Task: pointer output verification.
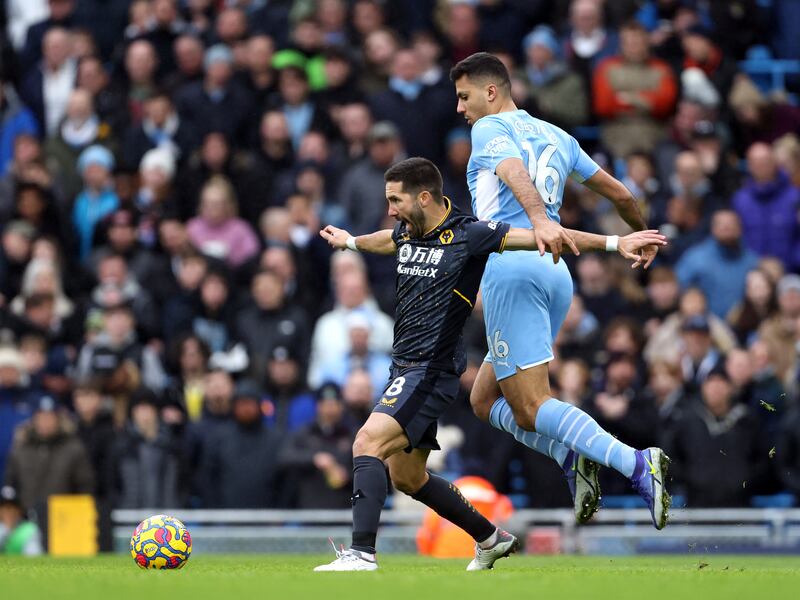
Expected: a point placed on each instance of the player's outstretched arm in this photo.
(550, 235)
(629, 246)
(380, 242)
(604, 184)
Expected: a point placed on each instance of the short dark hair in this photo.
(482, 65)
(633, 25)
(417, 174)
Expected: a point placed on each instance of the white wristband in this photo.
(612, 243)
(351, 243)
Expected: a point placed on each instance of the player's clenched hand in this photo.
(648, 254)
(336, 237)
(641, 246)
(551, 236)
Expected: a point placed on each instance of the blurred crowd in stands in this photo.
(174, 332)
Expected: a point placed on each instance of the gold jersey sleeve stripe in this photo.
(463, 297)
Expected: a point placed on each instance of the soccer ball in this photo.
(161, 542)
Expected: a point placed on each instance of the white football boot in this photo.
(350, 560)
(485, 558)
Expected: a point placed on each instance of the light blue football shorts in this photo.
(525, 300)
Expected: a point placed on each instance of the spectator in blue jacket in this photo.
(719, 265)
(15, 119)
(16, 400)
(360, 356)
(98, 198)
(767, 205)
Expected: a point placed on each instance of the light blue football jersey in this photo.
(550, 154)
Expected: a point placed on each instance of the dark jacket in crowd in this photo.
(200, 439)
(308, 485)
(787, 453)
(240, 468)
(263, 330)
(434, 117)
(148, 473)
(231, 115)
(717, 460)
(98, 438)
(361, 196)
(637, 427)
(138, 140)
(38, 468)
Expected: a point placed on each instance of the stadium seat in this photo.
(519, 500)
(768, 73)
(621, 502)
(587, 133)
(784, 500)
(626, 501)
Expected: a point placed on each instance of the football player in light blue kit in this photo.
(516, 174)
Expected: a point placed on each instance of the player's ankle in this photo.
(490, 541)
(365, 551)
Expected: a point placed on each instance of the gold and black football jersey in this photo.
(438, 276)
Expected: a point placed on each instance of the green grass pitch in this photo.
(407, 577)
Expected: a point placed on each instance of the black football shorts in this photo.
(416, 397)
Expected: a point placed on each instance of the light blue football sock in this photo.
(502, 418)
(581, 433)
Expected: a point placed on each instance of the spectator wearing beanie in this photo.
(700, 52)
(80, 128)
(154, 197)
(217, 103)
(316, 458)
(360, 356)
(288, 405)
(717, 436)
(97, 199)
(556, 93)
(362, 185)
(18, 535)
(240, 464)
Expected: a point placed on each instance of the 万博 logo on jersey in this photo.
(422, 256)
(405, 253)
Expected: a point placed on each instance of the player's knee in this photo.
(368, 444)
(525, 418)
(481, 405)
(408, 483)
